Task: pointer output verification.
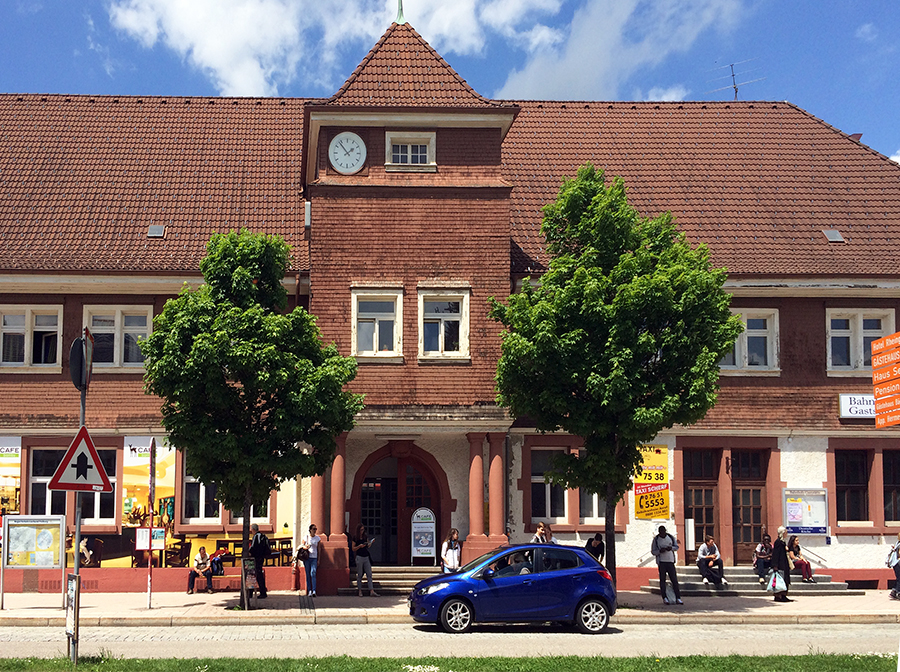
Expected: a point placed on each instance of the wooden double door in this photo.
(704, 500)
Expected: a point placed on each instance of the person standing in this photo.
(780, 564)
(450, 552)
(260, 550)
(596, 547)
(311, 543)
(709, 561)
(202, 568)
(361, 544)
(663, 548)
(893, 561)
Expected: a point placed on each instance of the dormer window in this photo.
(409, 152)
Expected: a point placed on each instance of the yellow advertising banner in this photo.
(651, 501)
(655, 464)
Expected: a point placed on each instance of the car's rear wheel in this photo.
(592, 616)
(456, 616)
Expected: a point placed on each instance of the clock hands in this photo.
(341, 145)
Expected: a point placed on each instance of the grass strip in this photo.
(804, 663)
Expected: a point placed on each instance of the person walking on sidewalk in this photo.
(260, 550)
(663, 548)
(709, 562)
(893, 561)
(450, 552)
(781, 564)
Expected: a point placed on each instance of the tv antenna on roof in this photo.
(734, 77)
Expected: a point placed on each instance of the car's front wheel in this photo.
(592, 616)
(456, 616)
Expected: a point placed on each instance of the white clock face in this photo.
(347, 153)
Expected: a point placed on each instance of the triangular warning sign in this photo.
(81, 468)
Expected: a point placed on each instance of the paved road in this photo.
(295, 641)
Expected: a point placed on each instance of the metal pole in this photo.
(152, 497)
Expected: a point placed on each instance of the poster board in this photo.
(150, 539)
(651, 486)
(34, 542)
(806, 511)
(424, 534)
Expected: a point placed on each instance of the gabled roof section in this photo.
(403, 70)
(756, 181)
(83, 178)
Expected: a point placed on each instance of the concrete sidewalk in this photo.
(179, 609)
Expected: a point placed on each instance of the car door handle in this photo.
(527, 583)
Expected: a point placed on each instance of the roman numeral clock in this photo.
(347, 153)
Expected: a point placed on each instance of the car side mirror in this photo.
(488, 573)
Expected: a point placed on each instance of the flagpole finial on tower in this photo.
(400, 18)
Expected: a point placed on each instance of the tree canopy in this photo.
(620, 339)
(242, 382)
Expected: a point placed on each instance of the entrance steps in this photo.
(745, 581)
(390, 580)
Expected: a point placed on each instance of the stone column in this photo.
(496, 491)
(338, 486)
(316, 504)
(476, 486)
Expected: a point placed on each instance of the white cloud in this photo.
(109, 65)
(867, 32)
(609, 40)
(896, 157)
(658, 93)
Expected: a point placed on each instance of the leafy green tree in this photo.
(621, 339)
(242, 382)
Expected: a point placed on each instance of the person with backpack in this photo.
(893, 561)
(663, 548)
(260, 549)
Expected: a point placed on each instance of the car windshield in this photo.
(477, 561)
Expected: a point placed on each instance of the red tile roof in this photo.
(82, 178)
(757, 181)
(403, 70)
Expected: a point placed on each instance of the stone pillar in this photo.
(496, 491)
(316, 505)
(476, 485)
(338, 486)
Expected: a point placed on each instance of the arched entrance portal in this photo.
(390, 485)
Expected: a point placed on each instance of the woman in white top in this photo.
(311, 543)
(450, 552)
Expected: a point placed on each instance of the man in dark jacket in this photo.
(596, 547)
(259, 549)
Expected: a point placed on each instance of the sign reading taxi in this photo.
(651, 486)
(81, 468)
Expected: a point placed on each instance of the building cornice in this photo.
(22, 283)
(824, 287)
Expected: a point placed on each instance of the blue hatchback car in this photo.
(513, 584)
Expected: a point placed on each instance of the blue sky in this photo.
(837, 59)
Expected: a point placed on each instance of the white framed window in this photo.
(849, 336)
(199, 503)
(44, 502)
(548, 502)
(30, 337)
(258, 515)
(409, 151)
(117, 331)
(377, 324)
(592, 508)
(99, 508)
(443, 324)
(755, 351)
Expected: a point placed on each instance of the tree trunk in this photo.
(245, 546)
(611, 530)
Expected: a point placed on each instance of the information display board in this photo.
(424, 534)
(150, 539)
(33, 541)
(806, 511)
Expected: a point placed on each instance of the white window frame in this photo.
(376, 294)
(45, 480)
(857, 337)
(599, 517)
(29, 313)
(427, 138)
(742, 366)
(197, 520)
(539, 478)
(120, 312)
(460, 295)
(96, 495)
(236, 517)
